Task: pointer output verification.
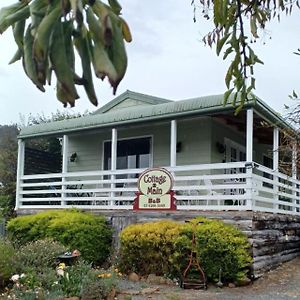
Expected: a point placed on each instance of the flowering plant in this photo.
(18, 279)
(113, 273)
(60, 270)
(71, 278)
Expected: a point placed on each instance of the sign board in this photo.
(155, 191)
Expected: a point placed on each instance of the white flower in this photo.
(22, 275)
(15, 277)
(60, 272)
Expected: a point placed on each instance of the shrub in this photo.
(164, 248)
(220, 247)
(88, 233)
(75, 277)
(147, 248)
(101, 286)
(38, 255)
(7, 259)
(50, 284)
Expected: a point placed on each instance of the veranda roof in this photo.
(156, 109)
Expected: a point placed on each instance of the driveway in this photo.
(280, 284)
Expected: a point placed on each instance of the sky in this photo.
(166, 58)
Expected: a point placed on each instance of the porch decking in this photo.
(221, 186)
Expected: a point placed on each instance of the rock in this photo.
(130, 292)
(219, 284)
(244, 282)
(112, 294)
(149, 290)
(133, 277)
(231, 285)
(154, 279)
(169, 281)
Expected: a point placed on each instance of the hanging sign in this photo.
(155, 191)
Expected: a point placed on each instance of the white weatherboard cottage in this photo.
(219, 161)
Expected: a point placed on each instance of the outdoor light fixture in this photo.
(179, 147)
(73, 157)
(220, 147)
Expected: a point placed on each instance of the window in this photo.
(131, 153)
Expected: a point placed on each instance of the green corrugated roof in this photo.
(160, 111)
(147, 99)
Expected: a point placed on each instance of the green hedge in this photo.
(148, 248)
(164, 248)
(88, 233)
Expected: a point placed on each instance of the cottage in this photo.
(219, 161)
(224, 166)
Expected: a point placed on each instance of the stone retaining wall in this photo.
(274, 238)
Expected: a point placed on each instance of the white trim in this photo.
(294, 160)
(249, 135)
(113, 160)
(275, 167)
(65, 160)
(275, 149)
(20, 171)
(114, 144)
(173, 143)
(294, 174)
(65, 149)
(249, 154)
(193, 193)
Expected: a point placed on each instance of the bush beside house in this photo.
(88, 233)
(164, 248)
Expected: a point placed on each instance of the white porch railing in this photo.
(221, 186)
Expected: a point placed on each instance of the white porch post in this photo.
(20, 171)
(65, 160)
(114, 143)
(173, 143)
(294, 174)
(275, 165)
(249, 155)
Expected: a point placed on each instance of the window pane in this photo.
(233, 154)
(144, 161)
(131, 162)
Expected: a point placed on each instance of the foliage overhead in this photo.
(47, 32)
(237, 24)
